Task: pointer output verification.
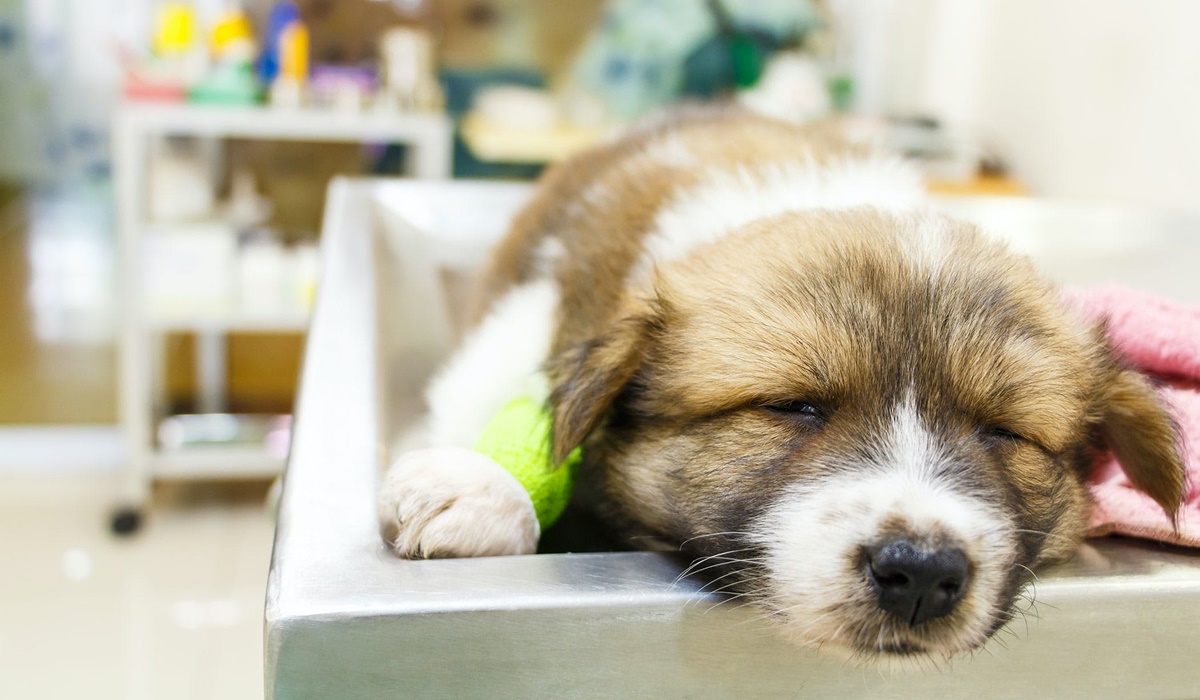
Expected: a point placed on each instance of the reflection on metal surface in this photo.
(345, 619)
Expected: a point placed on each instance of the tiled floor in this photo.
(174, 612)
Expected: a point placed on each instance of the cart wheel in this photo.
(125, 521)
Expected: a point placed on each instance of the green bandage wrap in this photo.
(518, 439)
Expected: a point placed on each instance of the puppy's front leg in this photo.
(445, 502)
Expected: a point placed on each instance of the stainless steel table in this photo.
(345, 619)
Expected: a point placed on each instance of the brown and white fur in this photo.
(776, 359)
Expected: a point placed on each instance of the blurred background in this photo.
(163, 166)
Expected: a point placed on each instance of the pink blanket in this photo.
(1160, 338)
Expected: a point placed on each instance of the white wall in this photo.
(1098, 99)
(17, 126)
(1087, 99)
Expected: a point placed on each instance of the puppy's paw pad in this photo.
(452, 502)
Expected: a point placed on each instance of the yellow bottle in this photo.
(293, 52)
(289, 86)
(175, 30)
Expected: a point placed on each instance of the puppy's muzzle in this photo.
(914, 584)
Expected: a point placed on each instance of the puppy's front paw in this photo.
(452, 502)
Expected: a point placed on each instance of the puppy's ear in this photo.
(588, 377)
(1143, 436)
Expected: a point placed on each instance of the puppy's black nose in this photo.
(915, 585)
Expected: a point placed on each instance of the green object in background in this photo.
(841, 91)
(228, 85)
(747, 61)
(518, 438)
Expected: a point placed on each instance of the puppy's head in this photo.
(875, 425)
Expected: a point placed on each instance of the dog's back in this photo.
(668, 185)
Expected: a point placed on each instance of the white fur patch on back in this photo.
(728, 200)
(930, 250)
(499, 361)
(547, 256)
(672, 152)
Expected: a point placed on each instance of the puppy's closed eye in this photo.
(998, 434)
(807, 412)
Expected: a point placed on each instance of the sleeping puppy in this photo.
(872, 420)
